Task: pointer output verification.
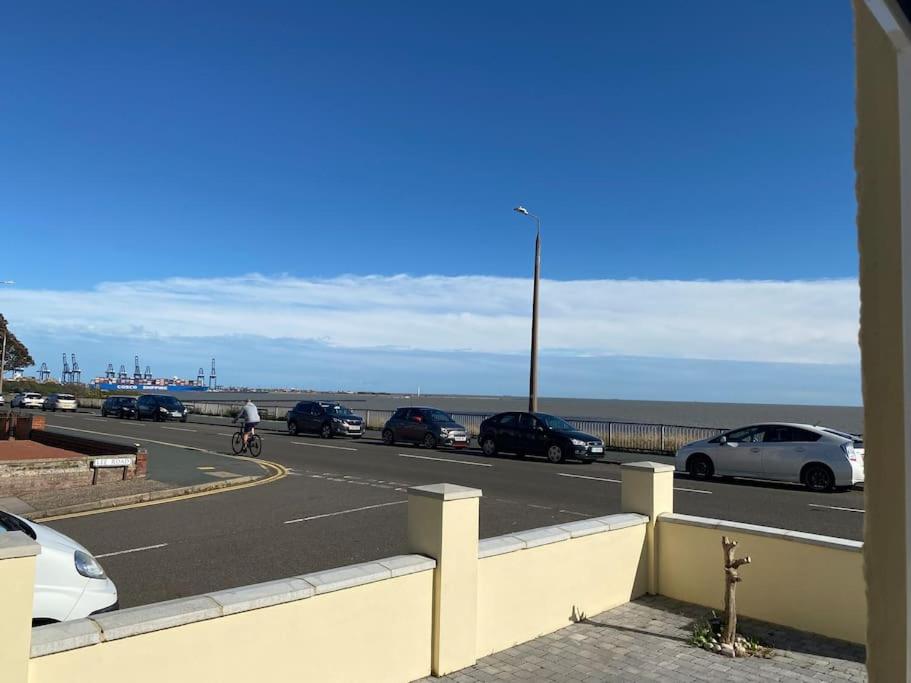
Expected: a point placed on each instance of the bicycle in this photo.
(254, 443)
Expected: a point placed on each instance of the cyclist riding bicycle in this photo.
(249, 418)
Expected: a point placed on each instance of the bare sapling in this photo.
(731, 579)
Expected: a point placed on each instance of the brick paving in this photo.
(647, 640)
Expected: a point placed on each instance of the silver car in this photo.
(817, 457)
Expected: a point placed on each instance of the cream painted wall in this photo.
(803, 586)
(528, 593)
(375, 632)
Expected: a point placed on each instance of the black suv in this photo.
(160, 408)
(325, 418)
(538, 434)
(428, 426)
(121, 406)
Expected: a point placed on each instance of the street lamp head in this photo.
(521, 209)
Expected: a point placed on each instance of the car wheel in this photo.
(292, 428)
(326, 431)
(388, 437)
(430, 441)
(700, 467)
(489, 446)
(819, 478)
(103, 414)
(555, 453)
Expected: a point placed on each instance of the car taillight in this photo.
(848, 448)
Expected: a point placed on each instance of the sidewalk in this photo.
(172, 471)
(647, 640)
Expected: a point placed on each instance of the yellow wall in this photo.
(803, 586)
(528, 593)
(375, 632)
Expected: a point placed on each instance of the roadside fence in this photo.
(622, 436)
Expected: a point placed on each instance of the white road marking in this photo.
(582, 476)
(179, 429)
(708, 493)
(223, 434)
(460, 462)
(132, 550)
(323, 445)
(538, 507)
(835, 507)
(577, 514)
(129, 436)
(343, 512)
(96, 419)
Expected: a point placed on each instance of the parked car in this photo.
(28, 399)
(69, 582)
(538, 434)
(57, 402)
(325, 418)
(430, 427)
(120, 406)
(817, 457)
(160, 408)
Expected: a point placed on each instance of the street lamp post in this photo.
(533, 368)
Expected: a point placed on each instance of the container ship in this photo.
(152, 384)
(143, 381)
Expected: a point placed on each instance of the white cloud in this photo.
(763, 321)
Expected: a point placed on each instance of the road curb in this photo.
(134, 498)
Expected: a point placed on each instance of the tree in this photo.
(17, 355)
(731, 579)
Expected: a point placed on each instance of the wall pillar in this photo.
(882, 160)
(17, 583)
(648, 489)
(443, 524)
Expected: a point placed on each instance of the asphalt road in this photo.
(343, 501)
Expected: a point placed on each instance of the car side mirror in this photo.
(539, 428)
(723, 440)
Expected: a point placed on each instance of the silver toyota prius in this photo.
(820, 458)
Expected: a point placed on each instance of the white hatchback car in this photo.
(69, 582)
(29, 399)
(57, 402)
(817, 457)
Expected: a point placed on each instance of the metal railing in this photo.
(625, 436)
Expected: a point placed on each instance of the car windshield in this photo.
(340, 410)
(556, 423)
(435, 415)
(857, 440)
(170, 403)
(66, 397)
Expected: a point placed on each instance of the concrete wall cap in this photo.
(401, 565)
(499, 545)
(15, 544)
(624, 520)
(245, 598)
(444, 491)
(647, 465)
(543, 536)
(346, 577)
(767, 531)
(63, 636)
(156, 617)
(585, 527)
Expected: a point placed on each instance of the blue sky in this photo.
(208, 142)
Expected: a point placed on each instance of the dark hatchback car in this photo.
(538, 434)
(325, 418)
(428, 426)
(160, 408)
(119, 406)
